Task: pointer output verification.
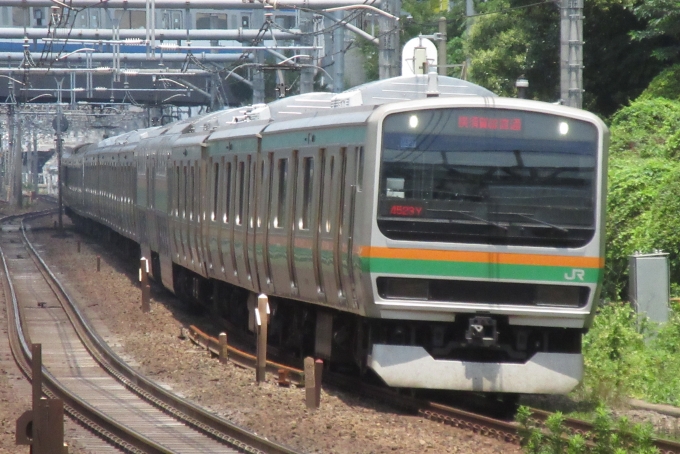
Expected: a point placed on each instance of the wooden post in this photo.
(99, 259)
(42, 427)
(310, 382)
(78, 246)
(144, 279)
(224, 352)
(261, 321)
(36, 372)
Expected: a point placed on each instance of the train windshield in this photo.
(491, 176)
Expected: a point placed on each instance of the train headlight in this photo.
(564, 128)
(413, 121)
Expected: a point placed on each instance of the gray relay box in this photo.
(648, 285)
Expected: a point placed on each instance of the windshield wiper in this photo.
(471, 216)
(532, 218)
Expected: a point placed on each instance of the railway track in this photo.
(484, 425)
(130, 412)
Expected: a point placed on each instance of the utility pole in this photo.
(388, 46)
(307, 73)
(441, 52)
(339, 54)
(571, 53)
(60, 173)
(18, 164)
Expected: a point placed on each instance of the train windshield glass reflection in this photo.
(493, 176)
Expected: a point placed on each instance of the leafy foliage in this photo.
(644, 126)
(611, 351)
(627, 355)
(663, 20)
(665, 85)
(609, 436)
(512, 43)
(644, 188)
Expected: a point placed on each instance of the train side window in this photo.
(281, 205)
(227, 187)
(216, 188)
(307, 183)
(241, 192)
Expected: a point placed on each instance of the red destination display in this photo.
(405, 210)
(474, 122)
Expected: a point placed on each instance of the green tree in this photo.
(663, 21)
(514, 37)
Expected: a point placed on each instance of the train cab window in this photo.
(281, 205)
(216, 188)
(241, 192)
(307, 184)
(227, 190)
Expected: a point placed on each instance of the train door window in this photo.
(327, 207)
(245, 21)
(190, 201)
(153, 185)
(148, 187)
(216, 189)
(184, 192)
(227, 190)
(281, 205)
(241, 192)
(175, 192)
(360, 167)
(307, 185)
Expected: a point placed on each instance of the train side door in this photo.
(280, 237)
(243, 219)
(336, 223)
(305, 225)
(329, 228)
(263, 223)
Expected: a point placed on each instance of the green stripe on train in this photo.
(482, 270)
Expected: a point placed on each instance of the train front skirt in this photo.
(412, 367)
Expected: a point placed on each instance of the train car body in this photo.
(420, 227)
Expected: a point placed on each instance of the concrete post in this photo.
(261, 322)
(224, 351)
(144, 280)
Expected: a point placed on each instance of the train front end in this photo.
(486, 249)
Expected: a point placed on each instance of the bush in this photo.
(644, 128)
(665, 85)
(643, 195)
(613, 352)
(609, 436)
(626, 355)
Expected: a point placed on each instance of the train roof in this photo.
(369, 95)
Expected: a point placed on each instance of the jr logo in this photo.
(575, 274)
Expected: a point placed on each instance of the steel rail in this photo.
(182, 409)
(118, 435)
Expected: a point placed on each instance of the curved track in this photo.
(130, 412)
